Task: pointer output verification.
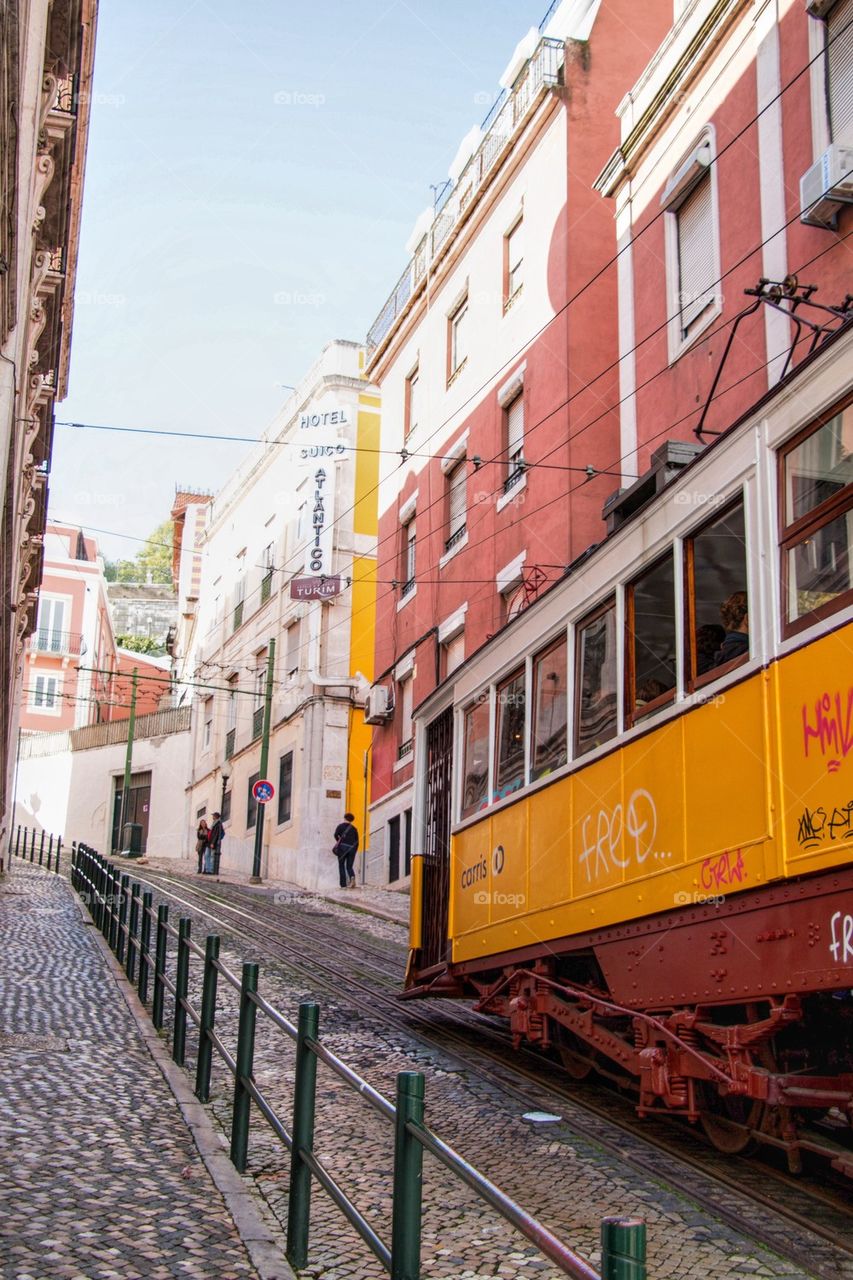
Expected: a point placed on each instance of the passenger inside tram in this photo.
(709, 640)
(735, 614)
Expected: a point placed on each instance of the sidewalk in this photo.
(101, 1178)
(373, 900)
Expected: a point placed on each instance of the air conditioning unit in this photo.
(379, 705)
(826, 186)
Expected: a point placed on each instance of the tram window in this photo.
(550, 711)
(511, 705)
(476, 756)
(717, 613)
(595, 680)
(651, 639)
(816, 475)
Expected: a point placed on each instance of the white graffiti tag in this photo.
(841, 946)
(615, 838)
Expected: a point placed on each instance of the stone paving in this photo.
(100, 1177)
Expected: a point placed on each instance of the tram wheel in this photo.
(571, 1050)
(728, 1121)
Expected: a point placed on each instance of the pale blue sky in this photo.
(240, 155)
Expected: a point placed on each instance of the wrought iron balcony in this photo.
(456, 537)
(60, 642)
(407, 587)
(504, 121)
(514, 476)
(406, 748)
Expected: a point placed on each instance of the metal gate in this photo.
(436, 871)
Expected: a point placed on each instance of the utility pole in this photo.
(265, 752)
(128, 762)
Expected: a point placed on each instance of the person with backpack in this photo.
(345, 848)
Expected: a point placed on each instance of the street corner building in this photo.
(276, 576)
(46, 56)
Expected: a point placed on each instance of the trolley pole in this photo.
(128, 761)
(265, 753)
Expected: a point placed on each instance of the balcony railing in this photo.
(407, 587)
(503, 122)
(406, 748)
(257, 722)
(63, 642)
(456, 537)
(230, 739)
(514, 477)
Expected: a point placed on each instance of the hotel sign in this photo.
(315, 588)
(318, 558)
(331, 418)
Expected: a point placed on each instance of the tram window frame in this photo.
(632, 713)
(798, 531)
(579, 750)
(560, 641)
(482, 702)
(518, 674)
(692, 681)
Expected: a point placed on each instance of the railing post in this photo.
(32, 845)
(123, 904)
(144, 946)
(96, 876)
(304, 1099)
(114, 885)
(17, 839)
(41, 847)
(130, 966)
(408, 1179)
(623, 1249)
(50, 852)
(159, 966)
(208, 1017)
(245, 1062)
(182, 982)
(58, 852)
(105, 885)
(75, 877)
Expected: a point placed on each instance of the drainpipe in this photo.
(357, 684)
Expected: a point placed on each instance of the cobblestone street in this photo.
(103, 1179)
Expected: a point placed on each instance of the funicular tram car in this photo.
(644, 858)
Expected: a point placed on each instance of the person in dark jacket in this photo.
(735, 615)
(214, 842)
(709, 640)
(346, 847)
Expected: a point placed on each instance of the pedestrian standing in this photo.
(345, 849)
(214, 843)
(201, 843)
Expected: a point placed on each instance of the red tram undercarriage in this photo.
(737, 1013)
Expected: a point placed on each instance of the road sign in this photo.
(263, 791)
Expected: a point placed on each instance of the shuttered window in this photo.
(285, 787)
(514, 435)
(457, 504)
(839, 34)
(694, 233)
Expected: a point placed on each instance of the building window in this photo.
(513, 260)
(45, 693)
(251, 803)
(406, 702)
(260, 695)
(225, 815)
(457, 504)
(816, 520)
(239, 592)
(514, 436)
(511, 710)
(408, 554)
(207, 718)
(293, 648)
(693, 251)
(411, 408)
(476, 756)
(453, 652)
(285, 787)
(267, 569)
(717, 613)
(595, 679)
(51, 624)
(839, 71)
(457, 338)
(549, 737)
(650, 652)
(231, 722)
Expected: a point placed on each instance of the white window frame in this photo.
(44, 679)
(292, 651)
(459, 312)
(513, 287)
(697, 166)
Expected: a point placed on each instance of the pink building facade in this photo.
(498, 360)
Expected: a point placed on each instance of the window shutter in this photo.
(514, 431)
(410, 551)
(458, 507)
(695, 254)
(839, 29)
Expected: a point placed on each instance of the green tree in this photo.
(155, 555)
(141, 644)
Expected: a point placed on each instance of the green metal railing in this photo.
(126, 916)
(44, 849)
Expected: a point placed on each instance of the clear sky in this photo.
(253, 174)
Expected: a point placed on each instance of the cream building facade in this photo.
(285, 553)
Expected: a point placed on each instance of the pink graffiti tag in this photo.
(723, 871)
(832, 730)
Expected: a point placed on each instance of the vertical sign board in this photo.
(318, 557)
